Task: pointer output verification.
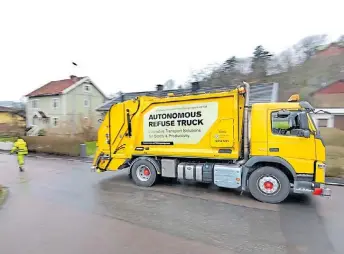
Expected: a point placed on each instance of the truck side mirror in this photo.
(301, 133)
(306, 133)
(303, 118)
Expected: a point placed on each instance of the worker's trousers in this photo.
(20, 158)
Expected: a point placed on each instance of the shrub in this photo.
(91, 148)
(334, 141)
(335, 161)
(42, 132)
(54, 145)
(332, 136)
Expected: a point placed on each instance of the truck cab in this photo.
(289, 134)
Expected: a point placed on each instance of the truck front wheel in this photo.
(269, 185)
(143, 172)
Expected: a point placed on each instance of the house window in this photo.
(55, 121)
(56, 103)
(322, 122)
(86, 103)
(87, 88)
(35, 103)
(34, 120)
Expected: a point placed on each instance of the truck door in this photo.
(298, 151)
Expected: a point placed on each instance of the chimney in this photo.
(74, 78)
(195, 86)
(159, 87)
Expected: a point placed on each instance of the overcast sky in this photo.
(134, 45)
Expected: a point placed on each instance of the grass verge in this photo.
(91, 148)
(334, 141)
(8, 139)
(335, 161)
(3, 195)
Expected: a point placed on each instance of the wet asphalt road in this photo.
(59, 206)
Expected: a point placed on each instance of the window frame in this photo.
(271, 119)
(58, 103)
(323, 119)
(89, 88)
(88, 103)
(37, 103)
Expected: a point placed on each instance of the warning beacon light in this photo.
(294, 98)
(241, 90)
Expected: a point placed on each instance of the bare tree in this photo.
(275, 66)
(287, 59)
(244, 66)
(307, 46)
(201, 75)
(115, 95)
(341, 38)
(170, 84)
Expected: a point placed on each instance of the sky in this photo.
(134, 45)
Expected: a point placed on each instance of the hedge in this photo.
(54, 145)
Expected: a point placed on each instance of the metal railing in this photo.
(34, 131)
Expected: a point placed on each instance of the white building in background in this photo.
(333, 120)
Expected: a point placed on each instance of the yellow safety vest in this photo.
(20, 147)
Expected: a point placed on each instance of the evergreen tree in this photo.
(341, 38)
(230, 64)
(260, 61)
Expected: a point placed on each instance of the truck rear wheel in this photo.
(269, 185)
(143, 172)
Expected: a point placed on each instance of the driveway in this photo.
(59, 206)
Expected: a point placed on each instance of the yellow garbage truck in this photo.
(267, 149)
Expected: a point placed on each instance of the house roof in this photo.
(5, 109)
(332, 111)
(335, 44)
(12, 104)
(54, 87)
(18, 112)
(335, 87)
(259, 93)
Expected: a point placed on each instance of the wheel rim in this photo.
(268, 185)
(143, 173)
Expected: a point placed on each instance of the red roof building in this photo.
(333, 88)
(54, 87)
(58, 106)
(333, 49)
(330, 99)
(330, 96)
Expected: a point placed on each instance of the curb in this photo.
(330, 180)
(54, 157)
(3, 196)
(335, 181)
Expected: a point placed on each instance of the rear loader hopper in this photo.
(267, 149)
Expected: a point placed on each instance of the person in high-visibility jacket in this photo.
(20, 148)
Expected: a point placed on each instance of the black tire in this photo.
(277, 176)
(146, 163)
